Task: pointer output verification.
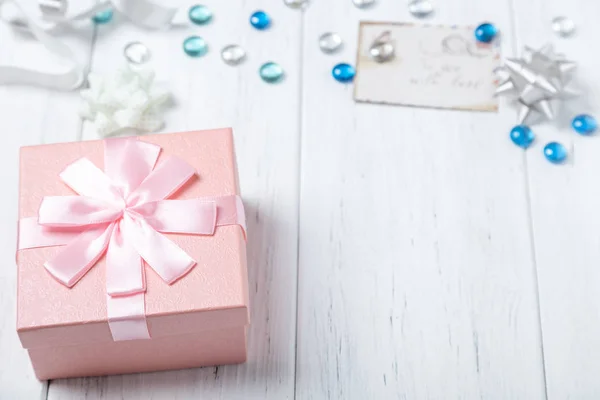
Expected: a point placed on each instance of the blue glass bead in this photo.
(584, 124)
(485, 32)
(522, 136)
(103, 17)
(200, 14)
(260, 20)
(195, 46)
(343, 72)
(271, 72)
(555, 152)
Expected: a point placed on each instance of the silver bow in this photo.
(536, 80)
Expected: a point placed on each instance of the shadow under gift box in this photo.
(199, 320)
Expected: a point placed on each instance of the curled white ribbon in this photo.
(141, 12)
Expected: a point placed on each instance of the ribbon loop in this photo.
(162, 182)
(88, 180)
(76, 258)
(127, 162)
(74, 211)
(145, 13)
(193, 216)
(167, 259)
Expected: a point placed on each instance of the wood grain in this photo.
(210, 94)
(564, 207)
(433, 259)
(416, 274)
(29, 116)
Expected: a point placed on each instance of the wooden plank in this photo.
(29, 116)
(564, 204)
(416, 272)
(265, 118)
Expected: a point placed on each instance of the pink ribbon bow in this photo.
(123, 212)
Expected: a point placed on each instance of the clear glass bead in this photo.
(363, 3)
(233, 54)
(382, 48)
(136, 53)
(563, 26)
(296, 3)
(330, 42)
(420, 8)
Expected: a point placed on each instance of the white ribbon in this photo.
(141, 12)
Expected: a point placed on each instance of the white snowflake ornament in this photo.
(128, 99)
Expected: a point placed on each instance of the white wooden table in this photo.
(395, 253)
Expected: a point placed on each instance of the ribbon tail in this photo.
(191, 216)
(145, 13)
(167, 259)
(127, 317)
(70, 79)
(33, 235)
(78, 14)
(124, 266)
(75, 211)
(230, 211)
(75, 259)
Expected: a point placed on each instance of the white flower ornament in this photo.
(126, 99)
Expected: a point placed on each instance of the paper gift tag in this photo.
(434, 66)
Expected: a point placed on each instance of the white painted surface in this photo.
(566, 214)
(395, 253)
(418, 283)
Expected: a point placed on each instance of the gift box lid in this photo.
(213, 295)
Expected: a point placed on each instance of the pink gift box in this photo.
(198, 320)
